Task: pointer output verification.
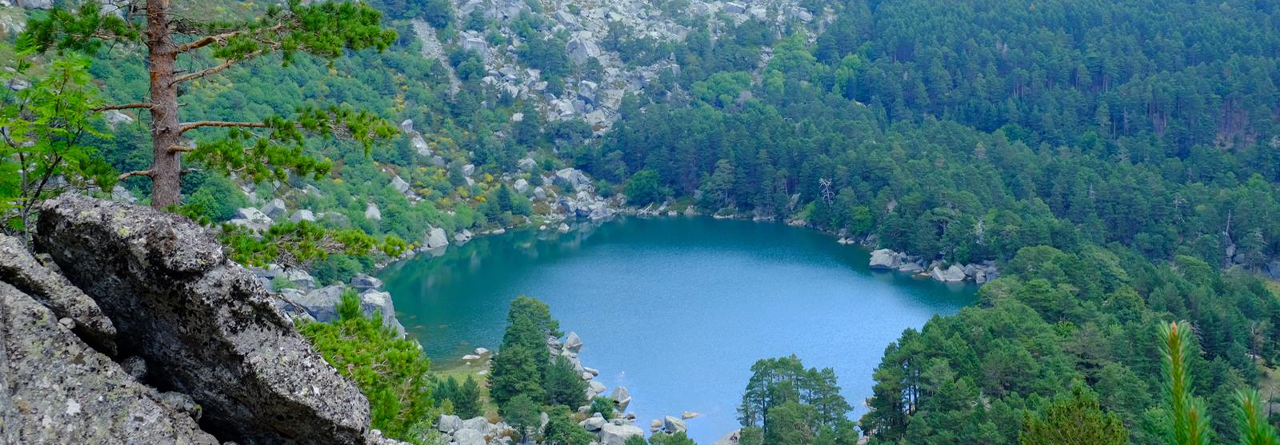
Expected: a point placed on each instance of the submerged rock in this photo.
(204, 325)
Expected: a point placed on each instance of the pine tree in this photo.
(257, 150)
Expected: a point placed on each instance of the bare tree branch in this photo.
(181, 149)
(134, 173)
(121, 107)
(221, 38)
(197, 124)
(220, 67)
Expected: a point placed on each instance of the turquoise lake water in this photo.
(675, 309)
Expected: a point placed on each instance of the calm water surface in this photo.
(675, 309)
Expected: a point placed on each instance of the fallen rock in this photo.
(204, 325)
(372, 213)
(59, 390)
(21, 270)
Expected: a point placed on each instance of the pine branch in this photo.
(121, 107)
(224, 124)
(131, 174)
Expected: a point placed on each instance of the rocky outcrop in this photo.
(204, 326)
(21, 270)
(951, 274)
(56, 389)
(618, 433)
(672, 425)
(474, 431)
(885, 259)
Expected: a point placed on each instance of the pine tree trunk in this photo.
(166, 166)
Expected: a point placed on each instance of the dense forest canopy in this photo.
(1118, 161)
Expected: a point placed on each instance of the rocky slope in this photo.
(154, 336)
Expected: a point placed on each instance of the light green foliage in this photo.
(392, 373)
(1077, 419)
(46, 129)
(1189, 416)
(722, 89)
(1254, 427)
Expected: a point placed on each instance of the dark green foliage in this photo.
(670, 439)
(564, 385)
(465, 398)
(563, 430)
(521, 364)
(776, 382)
(392, 373)
(644, 188)
(605, 406)
(523, 415)
(1077, 419)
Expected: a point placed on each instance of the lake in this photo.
(675, 309)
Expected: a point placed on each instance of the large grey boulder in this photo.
(672, 425)
(436, 238)
(527, 164)
(399, 184)
(303, 215)
(363, 282)
(951, 274)
(594, 423)
(448, 424)
(56, 389)
(204, 325)
(613, 434)
(572, 178)
(884, 259)
(468, 437)
(621, 397)
(252, 219)
(320, 304)
(572, 342)
(22, 271)
(372, 213)
(274, 209)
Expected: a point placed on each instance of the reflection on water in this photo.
(675, 309)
